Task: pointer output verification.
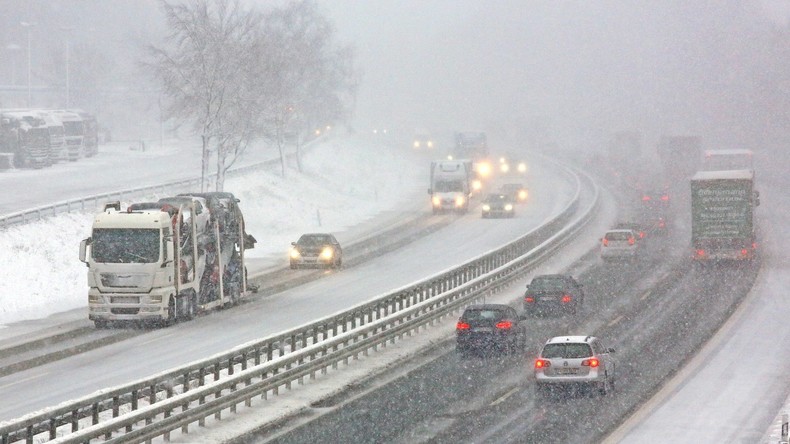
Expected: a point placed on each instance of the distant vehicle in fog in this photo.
(498, 205)
(486, 328)
(719, 160)
(680, 157)
(553, 294)
(620, 244)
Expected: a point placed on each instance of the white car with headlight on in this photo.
(316, 250)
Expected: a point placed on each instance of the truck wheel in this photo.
(100, 324)
(171, 313)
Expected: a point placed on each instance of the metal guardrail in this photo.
(157, 405)
(93, 202)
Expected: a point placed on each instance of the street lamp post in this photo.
(12, 47)
(27, 26)
(68, 71)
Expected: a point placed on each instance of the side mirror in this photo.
(293, 244)
(84, 250)
(430, 191)
(249, 241)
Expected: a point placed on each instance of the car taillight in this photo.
(565, 298)
(591, 362)
(529, 298)
(665, 198)
(631, 241)
(542, 363)
(645, 198)
(641, 235)
(605, 242)
(461, 326)
(744, 252)
(504, 325)
(700, 253)
(661, 224)
(754, 245)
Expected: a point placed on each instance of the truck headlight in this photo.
(504, 167)
(155, 299)
(508, 207)
(430, 144)
(416, 144)
(327, 253)
(295, 253)
(486, 208)
(437, 201)
(522, 194)
(94, 298)
(459, 201)
(477, 185)
(522, 167)
(484, 169)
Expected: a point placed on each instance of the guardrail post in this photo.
(53, 428)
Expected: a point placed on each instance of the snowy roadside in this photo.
(345, 181)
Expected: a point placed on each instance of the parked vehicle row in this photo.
(37, 138)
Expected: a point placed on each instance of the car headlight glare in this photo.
(416, 144)
(459, 201)
(504, 167)
(295, 253)
(509, 207)
(522, 194)
(327, 252)
(484, 169)
(486, 208)
(522, 167)
(430, 144)
(477, 185)
(437, 201)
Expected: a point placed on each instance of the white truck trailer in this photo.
(451, 185)
(155, 265)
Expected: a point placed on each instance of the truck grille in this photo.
(125, 311)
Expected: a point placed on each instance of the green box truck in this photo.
(722, 215)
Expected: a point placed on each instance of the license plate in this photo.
(547, 298)
(483, 329)
(567, 371)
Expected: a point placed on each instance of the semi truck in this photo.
(74, 133)
(25, 135)
(722, 216)
(156, 265)
(473, 145)
(451, 185)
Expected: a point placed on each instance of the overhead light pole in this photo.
(27, 26)
(13, 48)
(68, 70)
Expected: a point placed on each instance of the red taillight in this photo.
(631, 241)
(641, 235)
(744, 252)
(461, 326)
(661, 224)
(605, 242)
(665, 198)
(529, 299)
(542, 363)
(504, 325)
(754, 245)
(565, 298)
(593, 362)
(645, 198)
(700, 253)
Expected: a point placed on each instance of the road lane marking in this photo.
(644, 296)
(2, 387)
(504, 397)
(615, 320)
(158, 338)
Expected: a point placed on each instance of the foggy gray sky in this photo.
(577, 69)
(524, 70)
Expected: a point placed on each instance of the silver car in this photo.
(619, 245)
(575, 362)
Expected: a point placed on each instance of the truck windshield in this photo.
(125, 245)
(446, 186)
(73, 128)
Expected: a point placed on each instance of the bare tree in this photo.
(198, 67)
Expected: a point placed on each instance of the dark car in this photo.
(316, 250)
(485, 328)
(517, 191)
(498, 205)
(553, 294)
